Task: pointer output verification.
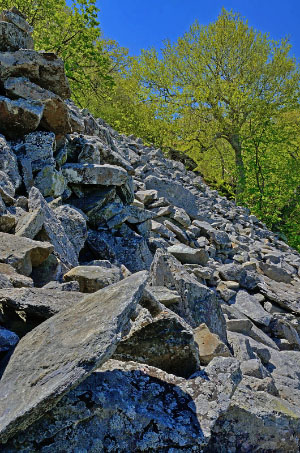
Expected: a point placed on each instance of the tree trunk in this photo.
(235, 142)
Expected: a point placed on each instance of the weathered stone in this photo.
(198, 303)
(41, 303)
(93, 278)
(189, 255)
(54, 229)
(209, 344)
(17, 280)
(165, 296)
(287, 296)
(19, 117)
(146, 196)
(179, 233)
(64, 350)
(166, 343)
(92, 174)
(13, 38)
(181, 217)
(55, 116)
(14, 16)
(74, 224)
(248, 305)
(43, 68)
(23, 253)
(275, 272)
(30, 224)
(9, 163)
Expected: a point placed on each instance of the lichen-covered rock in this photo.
(74, 224)
(64, 350)
(13, 38)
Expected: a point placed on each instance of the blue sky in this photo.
(138, 24)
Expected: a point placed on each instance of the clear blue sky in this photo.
(138, 24)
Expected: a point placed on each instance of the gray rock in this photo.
(275, 272)
(14, 16)
(93, 278)
(178, 232)
(165, 296)
(17, 280)
(181, 217)
(55, 116)
(19, 117)
(74, 224)
(43, 68)
(146, 196)
(210, 345)
(54, 229)
(22, 253)
(9, 163)
(92, 174)
(248, 305)
(63, 351)
(198, 303)
(166, 343)
(287, 296)
(13, 38)
(189, 255)
(30, 224)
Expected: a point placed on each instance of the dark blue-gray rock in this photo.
(63, 351)
(8, 339)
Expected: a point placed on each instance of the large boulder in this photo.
(13, 38)
(198, 303)
(19, 117)
(63, 351)
(22, 253)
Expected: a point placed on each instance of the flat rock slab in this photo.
(94, 174)
(23, 253)
(40, 302)
(93, 278)
(188, 255)
(250, 307)
(63, 351)
(287, 296)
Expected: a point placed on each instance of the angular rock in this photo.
(63, 351)
(74, 224)
(93, 278)
(14, 16)
(166, 296)
(166, 343)
(55, 116)
(92, 174)
(30, 224)
(54, 229)
(146, 196)
(19, 117)
(17, 280)
(9, 163)
(275, 272)
(43, 68)
(250, 307)
(189, 255)
(287, 296)
(198, 303)
(22, 253)
(13, 38)
(209, 344)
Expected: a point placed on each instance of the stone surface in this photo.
(64, 350)
(13, 38)
(93, 278)
(198, 303)
(189, 255)
(93, 174)
(74, 224)
(209, 344)
(54, 229)
(17, 280)
(165, 295)
(19, 117)
(248, 305)
(166, 343)
(22, 253)
(287, 296)
(8, 339)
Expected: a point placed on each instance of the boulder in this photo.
(209, 344)
(13, 38)
(198, 303)
(287, 296)
(19, 117)
(166, 343)
(188, 255)
(55, 116)
(93, 174)
(17, 280)
(63, 351)
(14, 16)
(43, 68)
(165, 295)
(93, 278)
(250, 307)
(9, 163)
(74, 224)
(22, 253)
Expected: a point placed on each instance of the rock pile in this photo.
(139, 310)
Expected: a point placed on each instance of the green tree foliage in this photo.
(73, 33)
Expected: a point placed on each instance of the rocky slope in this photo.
(139, 310)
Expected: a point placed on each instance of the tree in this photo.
(225, 80)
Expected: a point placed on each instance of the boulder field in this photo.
(140, 311)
